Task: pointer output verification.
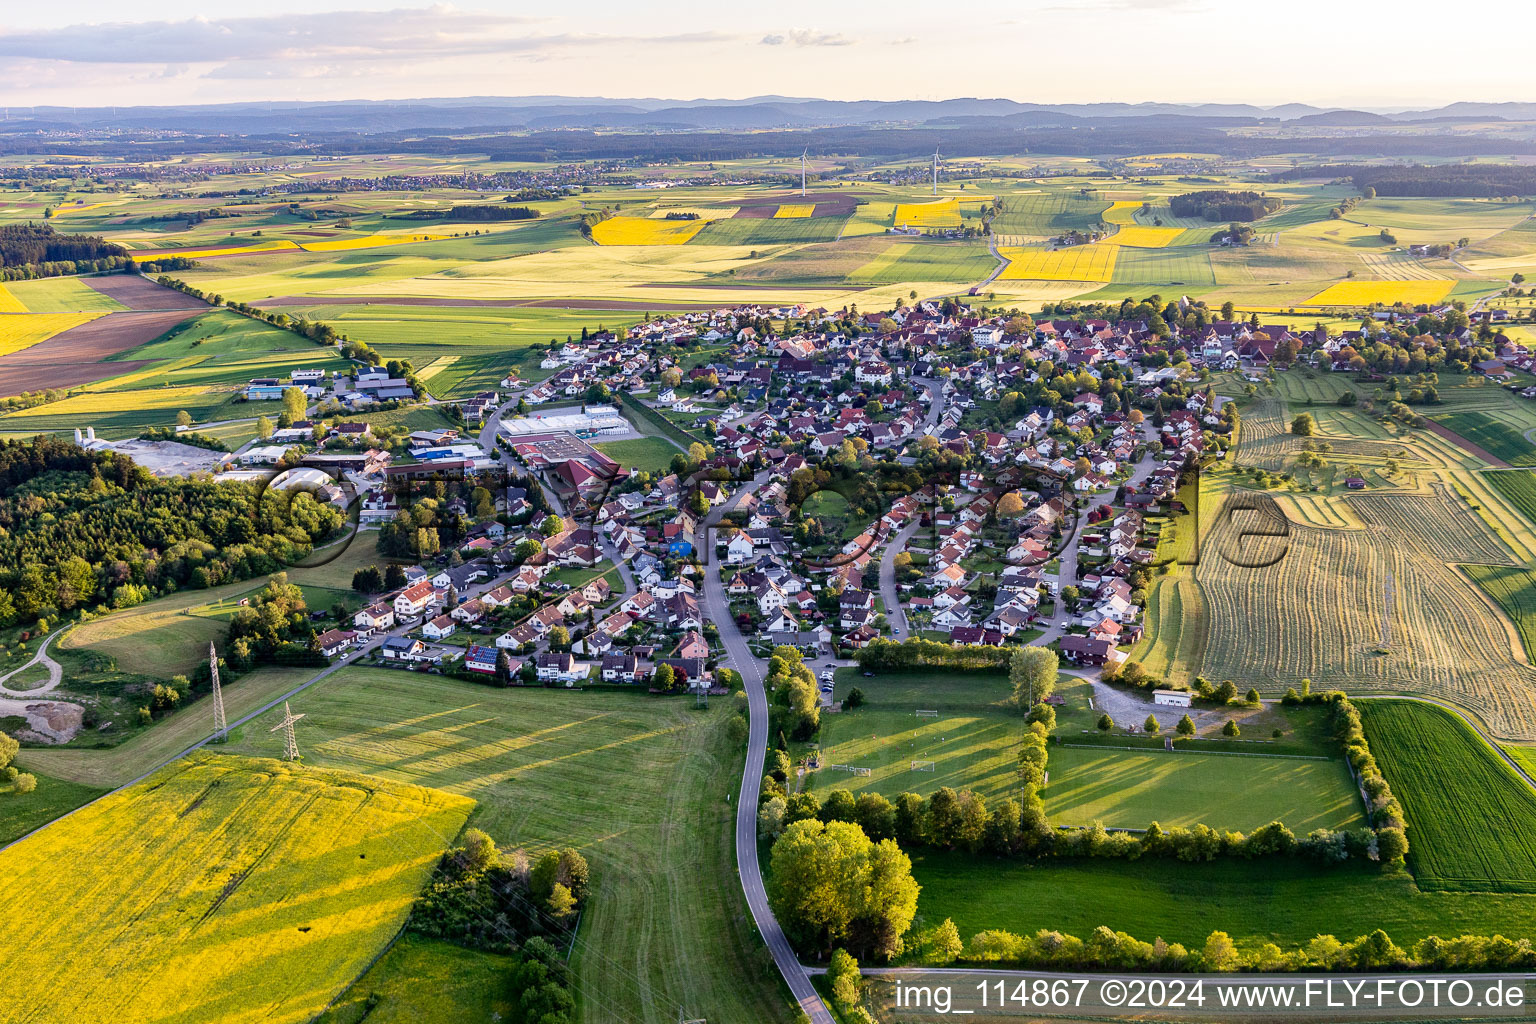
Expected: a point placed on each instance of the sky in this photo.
(1367, 53)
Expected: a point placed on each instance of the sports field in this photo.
(647, 454)
(1131, 788)
(235, 890)
(639, 784)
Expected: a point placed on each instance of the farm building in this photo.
(1171, 698)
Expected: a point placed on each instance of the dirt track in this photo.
(73, 357)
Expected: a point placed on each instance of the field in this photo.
(973, 742)
(1518, 488)
(1492, 434)
(23, 331)
(1094, 262)
(639, 784)
(938, 213)
(1131, 788)
(645, 231)
(1286, 902)
(20, 813)
(239, 890)
(769, 230)
(1144, 237)
(1364, 293)
(1471, 819)
(647, 454)
(423, 979)
(62, 295)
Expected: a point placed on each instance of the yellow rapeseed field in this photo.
(941, 213)
(1122, 211)
(222, 890)
(701, 212)
(645, 231)
(18, 331)
(274, 245)
(1363, 293)
(86, 403)
(369, 242)
(10, 303)
(1143, 237)
(1075, 263)
(795, 210)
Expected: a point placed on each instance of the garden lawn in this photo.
(1132, 788)
(639, 784)
(234, 890)
(1471, 819)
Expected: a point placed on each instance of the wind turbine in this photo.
(935, 170)
(802, 168)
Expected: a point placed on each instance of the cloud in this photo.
(333, 38)
(805, 37)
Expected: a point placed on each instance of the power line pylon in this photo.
(290, 743)
(220, 723)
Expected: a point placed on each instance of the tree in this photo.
(1105, 723)
(552, 525)
(183, 418)
(1225, 693)
(559, 638)
(561, 903)
(855, 699)
(662, 678)
(1151, 726)
(1304, 425)
(394, 576)
(832, 886)
(944, 944)
(263, 427)
(844, 979)
(368, 580)
(295, 404)
(770, 817)
(1220, 953)
(1032, 671)
(1010, 505)
(1252, 696)
(1391, 845)
(1186, 726)
(1231, 729)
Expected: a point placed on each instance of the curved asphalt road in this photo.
(738, 655)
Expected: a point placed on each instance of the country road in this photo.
(739, 656)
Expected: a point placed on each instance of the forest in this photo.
(1482, 180)
(79, 529)
(26, 244)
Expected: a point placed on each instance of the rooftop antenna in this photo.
(802, 169)
(220, 724)
(935, 170)
(290, 744)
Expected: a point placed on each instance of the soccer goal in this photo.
(852, 769)
(922, 766)
(926, 714)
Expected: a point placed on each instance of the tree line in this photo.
(32, 244)
(475, 212)
(1478, 180)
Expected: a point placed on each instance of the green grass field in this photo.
(639, 784)
(1048, 213)
(768, 230)
(62, 295)
(1491, 434)
(423, 979)
(1131, 788)
(1471, 820)
(1519, 488)
(927, 261)
(647, 454)
(20, 813)
(1286, 902)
